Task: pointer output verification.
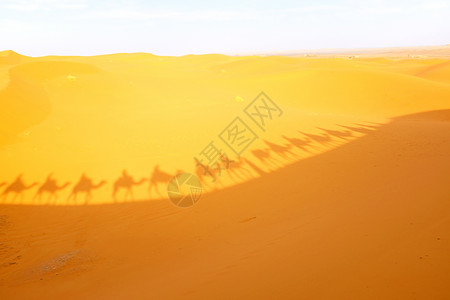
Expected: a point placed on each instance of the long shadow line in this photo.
(267, 159)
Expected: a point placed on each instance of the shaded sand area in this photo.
(345, 195)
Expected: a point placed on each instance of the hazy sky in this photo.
(82, 27)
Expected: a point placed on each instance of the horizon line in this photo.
(294, 52)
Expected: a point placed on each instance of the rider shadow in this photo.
(50, 187)
(125, 182)
(17, 187)
(85, 185)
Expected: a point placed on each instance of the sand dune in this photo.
(344, 196)
(436, 72)
(418, 52)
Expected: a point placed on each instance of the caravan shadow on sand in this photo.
(334, 213)
(238, 170)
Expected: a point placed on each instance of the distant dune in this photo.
(414, 52)
(342, 192)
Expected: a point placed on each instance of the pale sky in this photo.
(82, 27)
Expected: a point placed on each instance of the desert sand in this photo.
(343, 194)
(390, 52)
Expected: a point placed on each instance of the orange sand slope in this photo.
(344, 196)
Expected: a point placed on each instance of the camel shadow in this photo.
(17, 187)
(323, 139)
(125, 182)
(281, 150)
(299, 143)
(208, 175)
(50, 187)
(84, 185)
(236, 169)
(265, 157)
(160, 177)
(365, 130)
(254, 167)
(343, 135)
